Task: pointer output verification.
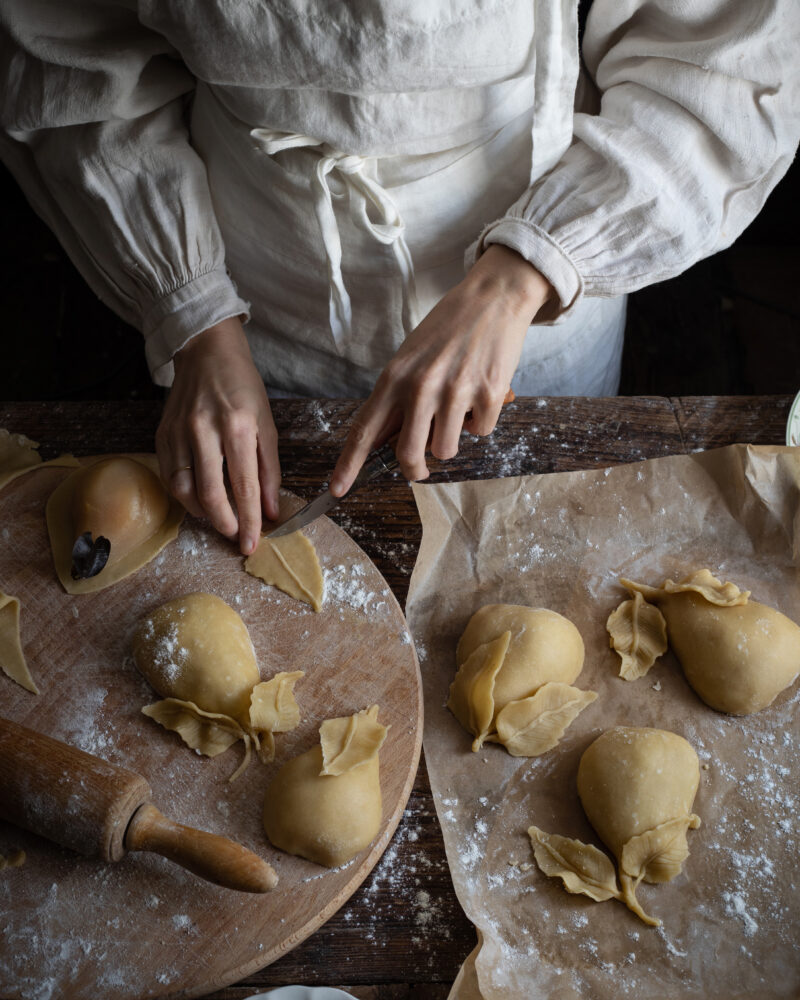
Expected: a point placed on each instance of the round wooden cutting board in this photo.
(144, 927)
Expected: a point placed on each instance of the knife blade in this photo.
(379, 461)
(382, 460)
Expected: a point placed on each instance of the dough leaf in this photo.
(702, 582)
(532, 726)
(289, 563)
(581, 867)
(273, 709)
(638, 632)
(207, 732)
(12, 659)
(472, 692)
(351, 741)
(657, 855)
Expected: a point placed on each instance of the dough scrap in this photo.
(329, 818)
(12, 659)
(18, 455)
(532, 726)
(119, 498)
(638, 632)
(196, 652)
(506, 655)
(737, 654)
(637, 787)
(289, 563)
(14, 860)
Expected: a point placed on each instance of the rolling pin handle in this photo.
(208, 855)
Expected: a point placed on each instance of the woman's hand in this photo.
(218, 411)
(459, 360)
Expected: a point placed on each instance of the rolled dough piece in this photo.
(119, 498)
(326, 805)
(12, 658)
(737, 654)
(289, 563)
(18, 455)
(637, 787)
(507, 655)
(196, 652)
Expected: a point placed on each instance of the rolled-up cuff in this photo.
(540, 250)
(172, 320)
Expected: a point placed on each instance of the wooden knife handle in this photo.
(208, 855)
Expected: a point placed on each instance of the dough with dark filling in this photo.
(196, 652)
(121, 499)
(514, 680)
(326, 805)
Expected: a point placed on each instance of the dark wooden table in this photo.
(403, 934)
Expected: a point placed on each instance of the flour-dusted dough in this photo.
(196, 652)
(12, 659)
(289, 563)
(737, 654)
(513, 684)
(119, 498)
(326, 805)
(637, 787)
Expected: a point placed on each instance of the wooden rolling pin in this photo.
(102, 810)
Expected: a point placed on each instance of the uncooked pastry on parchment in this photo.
(562, 541)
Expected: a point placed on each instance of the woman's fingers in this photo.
(269, 467)
(241, 452)
(363, 436)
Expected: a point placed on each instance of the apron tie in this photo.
(362, 191)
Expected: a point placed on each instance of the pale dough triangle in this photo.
(289, 563)
(12, 659)
(18, 455)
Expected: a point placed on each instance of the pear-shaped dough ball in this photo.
(120, 499)
(737, 658)
(544, 646)
(197, 648)
(634, 780)
(323, 817)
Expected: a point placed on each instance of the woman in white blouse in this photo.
(319, 171)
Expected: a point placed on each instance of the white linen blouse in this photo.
(326, 169)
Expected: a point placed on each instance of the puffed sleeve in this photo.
(698, 121)
(93, 130)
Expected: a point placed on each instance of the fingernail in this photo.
(249, 546)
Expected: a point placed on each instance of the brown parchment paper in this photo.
(561, 541)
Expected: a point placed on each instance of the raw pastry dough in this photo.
(196, 652)
(289, 563)
(637, 787)
(14, 860)
(18, 454)
(120, 499)
(513, 684)
(12, 659)
(737, 654)
(325, 805)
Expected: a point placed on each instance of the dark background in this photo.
(730, 325)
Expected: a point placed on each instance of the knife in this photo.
(381, 460)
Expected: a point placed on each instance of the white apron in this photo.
(340, 256)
